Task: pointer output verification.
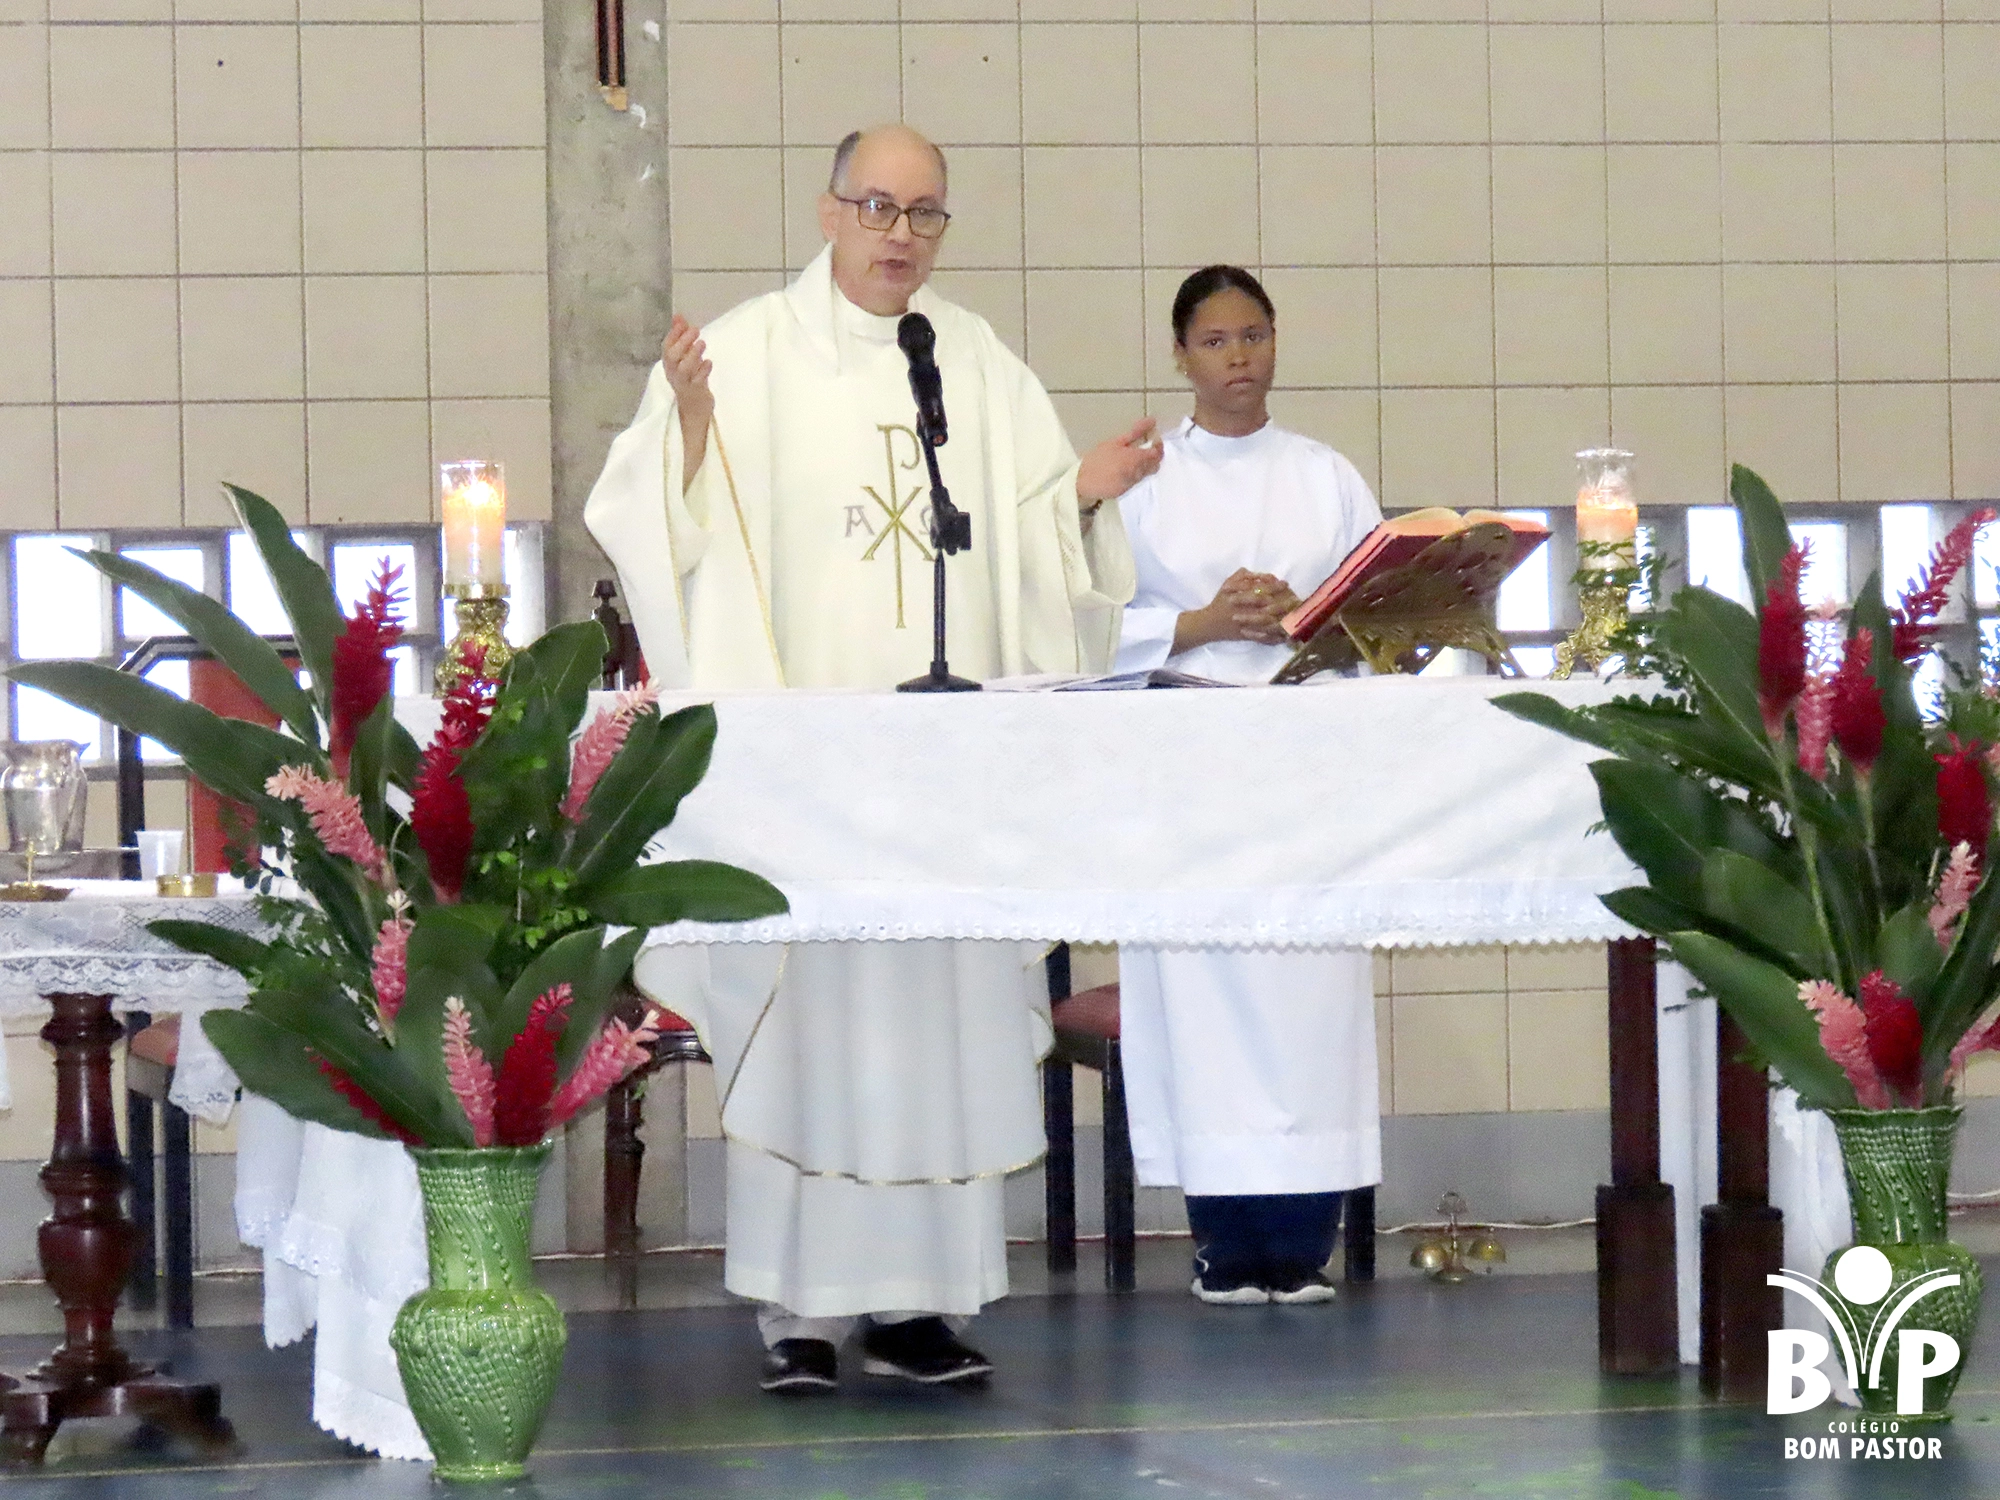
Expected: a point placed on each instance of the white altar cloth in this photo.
(96, 943)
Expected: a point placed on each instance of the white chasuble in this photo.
(1245, 1071)
(873, 1094)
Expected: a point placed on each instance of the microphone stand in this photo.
(951, 531)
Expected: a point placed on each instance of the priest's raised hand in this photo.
(1116, 464)
(683, 358)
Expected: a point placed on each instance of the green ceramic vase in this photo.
(1898, 1163)
(479, 1350)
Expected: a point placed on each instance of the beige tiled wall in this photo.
(1760, 230)
(298, 244)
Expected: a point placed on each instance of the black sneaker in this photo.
(923, 1350)
(800, 1367)
(1292, 1288)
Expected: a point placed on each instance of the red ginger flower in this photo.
(1815, 720)
(440, 811)
(361, 666)
(389, 967)
(1843, 1032)
(1895, 1037)
(1965, 803)
(613, 1053)
(336, 817)
(1922, 601)
(1954, 892)
(370, 1111)
(599, 744)
(468, 1071)
(1858, 721)
(1781, 643)
(528, 1072)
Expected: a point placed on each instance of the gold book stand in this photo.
(1399, 620)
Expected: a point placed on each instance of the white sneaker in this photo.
(1315, 1288)
(1248, 1294)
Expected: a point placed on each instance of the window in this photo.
(60, 606)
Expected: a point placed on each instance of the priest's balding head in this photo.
(883, 213)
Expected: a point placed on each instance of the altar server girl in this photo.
(1250, 1074)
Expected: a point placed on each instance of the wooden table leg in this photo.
(1638, 1319)
(1742, 1235)
(87, 1247)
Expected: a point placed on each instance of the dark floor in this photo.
(1400, 1389)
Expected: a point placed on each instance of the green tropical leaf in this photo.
(1748, 895)
(1907, 951)
(279, 1064)
(1968, 981)
(1764, 1000)
(661, 761)
(419, 1029)
(301, 584)
(685, 890)
(595, 999)
(516, 773)
(1766, 537)
(1666, 823)
(239, 648)
(225, 945)
(232, 757)
(572, 959)
(1717, 639)
(1643, 907)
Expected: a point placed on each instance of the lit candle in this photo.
(475, 525)
(1607, 517)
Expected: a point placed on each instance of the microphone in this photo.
(918, 340)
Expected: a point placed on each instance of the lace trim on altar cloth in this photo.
(357, 1415)
(1414, 914)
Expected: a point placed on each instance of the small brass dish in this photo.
(201, 884)
(33, 890)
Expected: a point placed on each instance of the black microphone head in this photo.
(915, 336)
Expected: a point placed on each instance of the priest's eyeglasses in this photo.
(881, 214)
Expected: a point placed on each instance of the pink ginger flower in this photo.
(613, 1053)
(1984, 1036)
(389, 966)
(1843, 1032)
(1814, 717)
(599, 745)
(1954, 892)
(471, 1075)
(336, 817)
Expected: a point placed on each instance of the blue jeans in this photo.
(1259, 1237)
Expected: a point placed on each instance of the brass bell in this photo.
(1486, 1249)
(1430, 1257)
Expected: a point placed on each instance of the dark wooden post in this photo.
(1638, 1321)
(1742, 1235)
(1059, 1126)
(1121, 1271)
(87, 1247)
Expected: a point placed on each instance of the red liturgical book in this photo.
(1395, 542)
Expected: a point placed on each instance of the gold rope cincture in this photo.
(749, 552)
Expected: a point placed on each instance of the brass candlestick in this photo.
(1590, 644)
(1445, 1259)
(481, 609)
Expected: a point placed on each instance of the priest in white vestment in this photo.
(1250, 1076)
(766, 515)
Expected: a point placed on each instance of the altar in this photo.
(1381, 813)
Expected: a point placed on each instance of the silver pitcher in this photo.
(44, 789)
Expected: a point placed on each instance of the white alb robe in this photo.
(1245, 1072)
(874, 1094)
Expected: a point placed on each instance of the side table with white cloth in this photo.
(83, 959)
(1383, 813)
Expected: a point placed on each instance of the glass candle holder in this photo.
(1607, 517)
(475, 527)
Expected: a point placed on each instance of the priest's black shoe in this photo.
(800, 1367)
(923, 1350)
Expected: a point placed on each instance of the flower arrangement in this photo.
(1816, 854)
(449, 972)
